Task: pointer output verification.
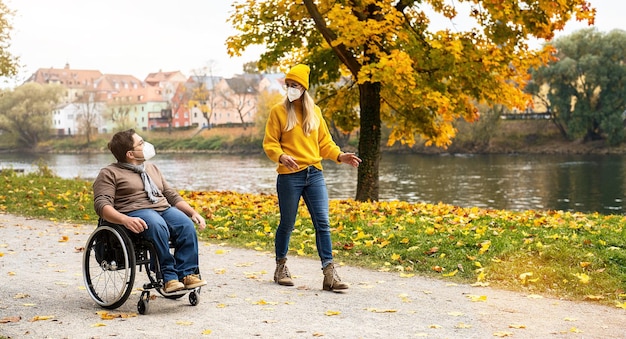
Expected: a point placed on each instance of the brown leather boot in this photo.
(281, 274)
(332, 280)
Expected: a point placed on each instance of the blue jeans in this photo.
(310, 185)
(175, 225)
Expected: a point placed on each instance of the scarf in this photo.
(148, 184)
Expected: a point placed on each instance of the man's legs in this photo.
(185, 241)
(158, 233)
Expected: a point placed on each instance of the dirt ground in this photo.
(42, 295)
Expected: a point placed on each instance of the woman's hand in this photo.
(350, 159)
(288, 161)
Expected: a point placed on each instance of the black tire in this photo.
(109, 266)
(143, 306)
(194, 298)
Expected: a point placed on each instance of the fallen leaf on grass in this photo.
(594, 297)
(621, 305)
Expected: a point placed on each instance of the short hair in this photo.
(121, 143)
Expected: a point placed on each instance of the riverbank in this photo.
(241, 300)
(510, 137)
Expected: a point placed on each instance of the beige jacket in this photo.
(124, 190)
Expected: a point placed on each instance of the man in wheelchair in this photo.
(132, 192)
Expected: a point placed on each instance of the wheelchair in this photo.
(110, 261)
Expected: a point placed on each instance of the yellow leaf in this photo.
(406, 275)
(621, 305)
(375, 310)
(463, 325)
(583, 278)
(64, 238)
(331, 313)
(503, 334)
(435, 326)
(451, 274)
(476, 298)
(184, 323)
(517, 326)
(98, 325)
(41, 317)
(206, 332)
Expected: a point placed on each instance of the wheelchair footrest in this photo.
(149, 286)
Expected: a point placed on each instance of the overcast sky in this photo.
(139, 37)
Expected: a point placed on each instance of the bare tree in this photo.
(88, 115)
(241, 94)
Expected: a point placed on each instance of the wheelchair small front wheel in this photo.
(194, 298)
(143, 305)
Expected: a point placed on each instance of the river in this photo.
(587, 183)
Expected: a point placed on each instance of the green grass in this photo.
(573, 256)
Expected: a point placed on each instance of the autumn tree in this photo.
(26, 112)
(265, 101)
(119, 114)
(416, 80)
(203, 93)
(585, 85)
(8, 62)
(340, 101)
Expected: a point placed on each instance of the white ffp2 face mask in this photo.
(148, 151)
(293, 94)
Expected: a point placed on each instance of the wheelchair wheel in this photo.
(109, 266)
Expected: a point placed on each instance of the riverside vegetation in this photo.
(574, 256)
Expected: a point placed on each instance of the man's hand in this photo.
(199, 220)
(135, 225)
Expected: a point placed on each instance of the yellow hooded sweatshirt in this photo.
(306, 150)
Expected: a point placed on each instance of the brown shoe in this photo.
(173, 286)
(281, 274)
(193, 281)
(332, 280)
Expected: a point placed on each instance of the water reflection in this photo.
(515, 182)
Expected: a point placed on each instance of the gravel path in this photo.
(42, 295)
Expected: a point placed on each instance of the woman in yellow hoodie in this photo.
(297, 138)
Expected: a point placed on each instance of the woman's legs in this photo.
(289, 188)
(316, 198)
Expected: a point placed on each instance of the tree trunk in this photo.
(369, 142)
